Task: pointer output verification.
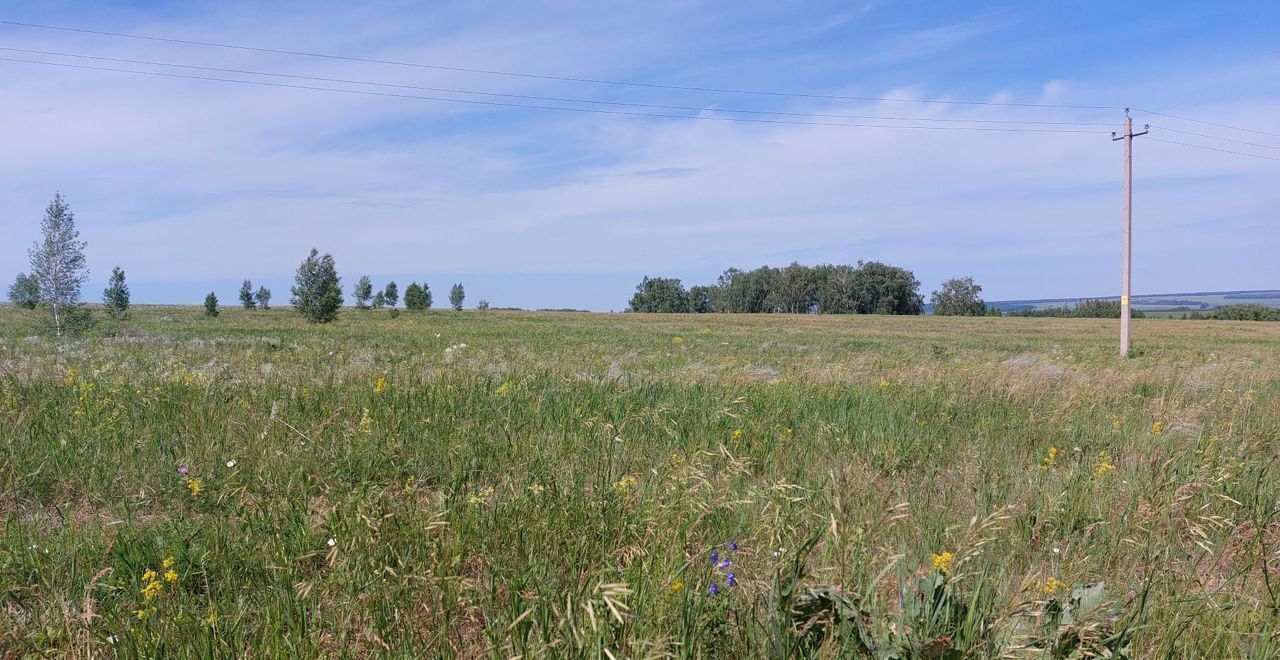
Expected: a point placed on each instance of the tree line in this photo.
(58, 271)
(870, 287)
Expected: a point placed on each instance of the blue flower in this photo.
(715, 557)
(730, 580)
(714, 589)
(724, 563)
(733, 545)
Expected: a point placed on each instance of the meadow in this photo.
(506, 484)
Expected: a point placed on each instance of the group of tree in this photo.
(366, 298)
(959, 297)
(251, 300)
(1085, 309)
(870, 287)
(1250, 312)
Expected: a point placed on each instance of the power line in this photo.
(1224, 151)
(558, 99)
(1206, 123)
(559, 108)
(515, 74)
(1215, 137)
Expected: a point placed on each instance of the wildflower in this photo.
(677, 586)
(713, 590)
(231, 463)
(149, 576)
(171, 576)
(715, 557)
(730, 580)
(141, 614)
(536, 489)
(1157, 428)
(1051, 459)
(195, 486)
(626, 483)
(211, 619)
(943, 561)
(737, 434)
(786, 433)
(332, 542)
(151, 589)
(677, 340)
(1104, 464)
(379, 385)
(1052, 585)
(733, 546)
(883, 383)
(182, 470)
(167, 563)
(724, 563)
(366, 422)
(503, 389)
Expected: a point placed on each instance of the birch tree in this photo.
(58, 266)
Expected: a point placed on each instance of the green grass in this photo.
(555, 487)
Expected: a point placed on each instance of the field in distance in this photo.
(582, 485)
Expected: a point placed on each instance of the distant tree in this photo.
(660, 294)
(362, 292)
(264, 297)
(246, 295)
(58, 267)
(994, 311)
(1246, 313)
(391, 295)
(456, 296)
(883, 289)
(316, 291)
(958, 297)
(794, 290)
(25, 291)
(115, 298)
(426, 296)
(837, 289)
(379, 300)
(483, 305)
(700, 299)
(413, 296)
(211, 304)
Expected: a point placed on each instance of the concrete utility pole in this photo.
(1127, 249)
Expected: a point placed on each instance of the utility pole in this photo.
(1126, 252)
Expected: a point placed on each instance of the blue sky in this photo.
(194, 185)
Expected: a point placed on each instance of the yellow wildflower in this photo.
(943, 561)
(1104, 464)
(149, 576)
(195, 486)
(1052, 586)
(883, 383)
(168, 562)
(1157, 428)
(626, 483)
(366, 422)
(677, 586)
(141, 614)
(1051, 459)
(151, 590)
(786, 433)
(171, 576)
(503, 389)
(737, 434)
(379, 385)
(677, 340)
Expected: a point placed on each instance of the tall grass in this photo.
(499, 484)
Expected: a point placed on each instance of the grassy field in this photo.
(513, 484)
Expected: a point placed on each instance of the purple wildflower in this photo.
(730, 580)
(182, 470)
(714, 589)
(715, 557)
(725, 563)
(733, 545)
